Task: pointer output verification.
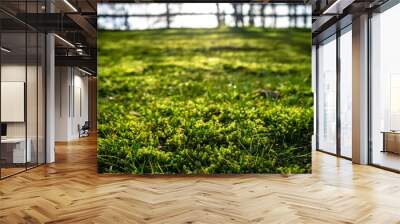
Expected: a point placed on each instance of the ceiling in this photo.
(73, 21)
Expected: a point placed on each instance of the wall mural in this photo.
(205, 100)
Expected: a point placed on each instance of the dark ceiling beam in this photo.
(78, 61)
(11, 25)
(337, 7)
(88, 70)
(322, 22)
(93, 6)
(86, 27)
(199, 1)
(55, 22)
(86, 51)
(82, 22)
(89, 14)
(9, 15)
(49, 22)
(78, 18)
(64, 7)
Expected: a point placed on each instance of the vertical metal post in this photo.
(37, 90)
(45, 90)
(369, 62)
(50, 91)
(0, 91)
(317, 96)
(338, 77)
(26, 85)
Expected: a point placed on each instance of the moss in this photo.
(205, 101)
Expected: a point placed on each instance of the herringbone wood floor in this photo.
(70, 191)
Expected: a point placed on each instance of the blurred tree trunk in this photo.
(273, 6)
(238, 14)
(295, 16)
(262, 13)
(241, 15)
(126, 22)
(235, 14)
(251, 15)
(290, 13)
(168, 16)
(223, 22)
(218, 15)
(125, 12)
(114, 21)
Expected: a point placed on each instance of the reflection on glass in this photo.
(327, 96)
(41, 99)
(346, 93)
(31, 97)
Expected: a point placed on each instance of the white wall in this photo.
(80, 109)
(62, 82)
(71, 87)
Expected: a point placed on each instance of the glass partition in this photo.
(385, 89)
(13, 145)
(41, 91)
(31, 97)
(327, 95)
(22, 100)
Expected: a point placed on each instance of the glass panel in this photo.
(346, 93)
(327, 96)
(31, 97)
(385, 84)
(41, 99)
(22, 89)
(13, 86)
(32, 88)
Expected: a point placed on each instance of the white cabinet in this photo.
(19, 154)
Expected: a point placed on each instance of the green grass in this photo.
(205, 101)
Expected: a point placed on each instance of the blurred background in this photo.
(141, 16)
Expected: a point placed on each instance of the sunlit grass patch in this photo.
(205, 101)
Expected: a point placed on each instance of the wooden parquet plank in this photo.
(70, 191)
